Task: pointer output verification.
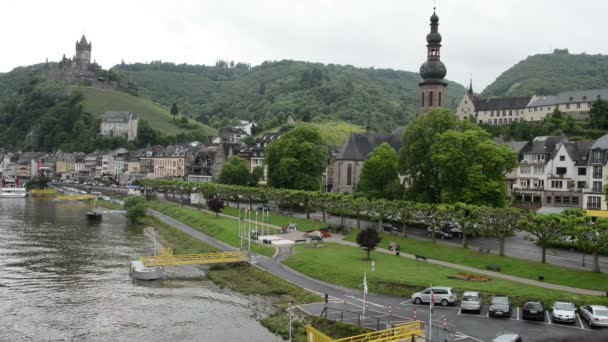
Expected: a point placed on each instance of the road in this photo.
(468, 327)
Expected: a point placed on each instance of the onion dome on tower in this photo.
(433, 70)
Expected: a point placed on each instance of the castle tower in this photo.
(83, 53)
(432, 71)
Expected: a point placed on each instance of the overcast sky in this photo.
(480, 37)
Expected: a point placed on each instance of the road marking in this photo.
(459, 311)
(580, 321)
(517, 309)
(405, 302)
(548, 318)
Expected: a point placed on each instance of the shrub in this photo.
(136, 208)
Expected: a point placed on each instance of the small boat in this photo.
(142, 272)
(94, 214)
(12, 189)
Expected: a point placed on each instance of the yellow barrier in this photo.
(194, 259)
(75, 198)
(401, 332)
(43, 192)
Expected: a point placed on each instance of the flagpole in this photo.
(364, 295)
(432, 302)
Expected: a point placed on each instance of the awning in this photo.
(597, 213)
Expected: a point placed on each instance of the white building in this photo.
(119, 124)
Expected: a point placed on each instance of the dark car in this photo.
(500, 306)
(439, 233)
(389, 228)
(533, 310)
(262, 208)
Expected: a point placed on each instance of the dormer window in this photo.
(584, 97)
(571, 98)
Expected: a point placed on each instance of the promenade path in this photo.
(282, 254)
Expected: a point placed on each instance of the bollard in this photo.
(390, 312)
(414, 313)
(326, 299)
(445, 322)
(344, 296)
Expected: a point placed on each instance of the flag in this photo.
(365, 284)
(432, 303)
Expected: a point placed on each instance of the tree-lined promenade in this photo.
(474, 220)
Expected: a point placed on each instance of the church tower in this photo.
(83, 54)
(432, 71)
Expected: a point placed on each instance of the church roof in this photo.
(571, 97)
(500, 103)
(360, 145)
(83, 40)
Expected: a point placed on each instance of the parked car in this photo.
(389, 228)
(441, 294)
(563, 312)
(500, 306)
(261, 208)
(507, 337)
(454, 229)
(534, 310)
(439, 233)
(596, 315)
(470, 301)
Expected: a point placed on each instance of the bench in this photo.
(485, 250)
(316, 239)
(420, 257)
(300, 241)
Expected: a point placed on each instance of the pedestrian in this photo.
(397, 249)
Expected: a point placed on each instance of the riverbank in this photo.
(251, 281)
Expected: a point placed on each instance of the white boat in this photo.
(142, 272)
(13, 192)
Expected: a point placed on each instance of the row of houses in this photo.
(193, 161)
(506, 110)
(556, 172)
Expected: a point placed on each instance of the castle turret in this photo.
(432, 71)
(83, 53)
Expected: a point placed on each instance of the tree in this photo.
(380, 173)
(297, 160)
(415, 156)
(368, 239)
(471, 168)
(590, 236)
(136, 208)
(545, 228)
(256, 176)
(174, 111)
(499, 223)
(465, 215)
(216, 204)
(235, 171)
(599, 113)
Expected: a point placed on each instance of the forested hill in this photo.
(547, 74)
(273, 91)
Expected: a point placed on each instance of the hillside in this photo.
(334, 133)
(547, 74)
(99, 100)
(273, 91)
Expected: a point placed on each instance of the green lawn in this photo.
(281, 220)
(99, 100)
(224, 229)
(399, 276)
(517, 267)
(334, 132)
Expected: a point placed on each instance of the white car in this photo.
(470, 301)
(596, 315)
(563, 312)
(441, 294)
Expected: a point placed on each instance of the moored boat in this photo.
(142, 272)
(13, 193)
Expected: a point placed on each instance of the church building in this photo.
(349, 160)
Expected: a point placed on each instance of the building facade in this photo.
(119, 124)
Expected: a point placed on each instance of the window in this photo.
(581, 185)
(421, 102)
(597, 156)
(597, 171)
(548, 200)
(594, 202)
(558, 199)
(535, 109)
(584, 97)
(578, 105)
(504, 113)
(556, 184)
(575, 201)
(539, 170)
(439, 99)
(566, 200)
(571, 98)
(510, 120)
(500, 121)
(510, 112)
(491, 113)
(562, 158)
(560, 170)
(465, 101)
(430, 98)
(495, 121)
(597, 186)
(567, 106)
(525, 170)
(582, 171)
(349, 174)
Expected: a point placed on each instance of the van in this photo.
(442, 295)
(470, 301)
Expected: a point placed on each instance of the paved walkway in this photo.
(340, 240)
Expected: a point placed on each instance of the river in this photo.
(64, 279)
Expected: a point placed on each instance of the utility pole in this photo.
(249, 238)
(289, 309)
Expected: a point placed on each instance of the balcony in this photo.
(557, 176)
(533, 162)
(599, 191)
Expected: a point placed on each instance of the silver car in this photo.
(440, 294)
(470, 301)
(596, 315)
(563, 312)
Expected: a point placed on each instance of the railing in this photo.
(401, 332)
(194, 259)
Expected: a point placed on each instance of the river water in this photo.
(64, 279)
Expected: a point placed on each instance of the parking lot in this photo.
(467, 326)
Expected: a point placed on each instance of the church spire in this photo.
(432, 71)
(471, 85)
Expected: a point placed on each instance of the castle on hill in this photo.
(79, 70)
